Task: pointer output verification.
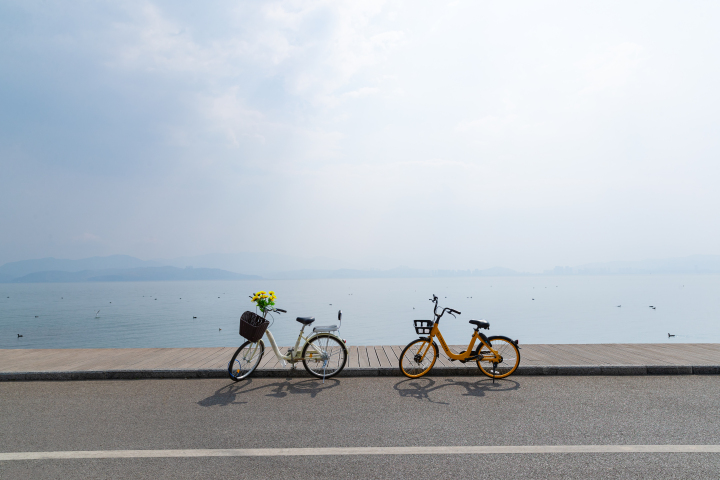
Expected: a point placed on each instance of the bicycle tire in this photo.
(410, 365)
(510, 358)
(329, 345)
(241, 369)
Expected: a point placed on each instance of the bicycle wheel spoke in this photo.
(245, 360)
(506, 365)
(325, 356)
(418, 358)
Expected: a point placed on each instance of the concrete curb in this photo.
(584, 370)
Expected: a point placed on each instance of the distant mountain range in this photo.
(13, 270)
(400, 272)
(265, 264)
(117, 268)
(688, 265)
(132, 275)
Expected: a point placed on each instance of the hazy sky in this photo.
(428, 134)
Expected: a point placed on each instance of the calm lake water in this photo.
(572, 309)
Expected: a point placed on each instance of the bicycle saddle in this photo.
(480, 324)
(305, 320)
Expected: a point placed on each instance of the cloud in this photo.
(359, 126)
(611, 68)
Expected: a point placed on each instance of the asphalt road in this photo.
(364, 412)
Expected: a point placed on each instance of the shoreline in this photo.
(536, 359)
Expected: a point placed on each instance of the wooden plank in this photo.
(111, 359)
(709, 353)
(274, 363)
(172, 358)
(710, 348)
(352, 357)
(391, 355)
(198, 358)
(220, 359)
(397, 349)
(34, 362)
(269, 358)
(635, 356)
(700, 354)
(648, 356)
(363, 359)
(541, 354)
(528, 356)
(56, 360)
(270, 361)
(76, 361)
(14, 360)
(155, 358)
(373, 360)
(382, 357)
(202, 357)
(572, 356)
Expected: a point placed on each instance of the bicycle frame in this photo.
(297, 351)
(435, 332)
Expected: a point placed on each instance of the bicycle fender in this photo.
(427, 339)
(505, 338)
(315, 335)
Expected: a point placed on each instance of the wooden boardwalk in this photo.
(362, 359)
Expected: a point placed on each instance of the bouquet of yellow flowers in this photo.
(264, 300)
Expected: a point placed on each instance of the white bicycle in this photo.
(323, 354)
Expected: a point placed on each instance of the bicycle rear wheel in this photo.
(324, 356)
(418, 358)
(246, 360)
(510, 358)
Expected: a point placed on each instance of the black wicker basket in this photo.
(423, 327)
(253, 326)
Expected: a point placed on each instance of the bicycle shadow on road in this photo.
(421, 388)
(233, 393)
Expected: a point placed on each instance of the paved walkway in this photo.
(563, 359)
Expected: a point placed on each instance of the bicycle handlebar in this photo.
(446, 309)
(280, 310)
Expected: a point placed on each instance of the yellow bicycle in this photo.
(497, 357)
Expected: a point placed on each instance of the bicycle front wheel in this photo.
(509, 358)
(324, 356)
(418, 358)
(246, 360)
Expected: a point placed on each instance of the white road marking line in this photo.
(281, 452)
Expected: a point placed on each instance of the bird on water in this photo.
(19, 335)
(670, 335)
